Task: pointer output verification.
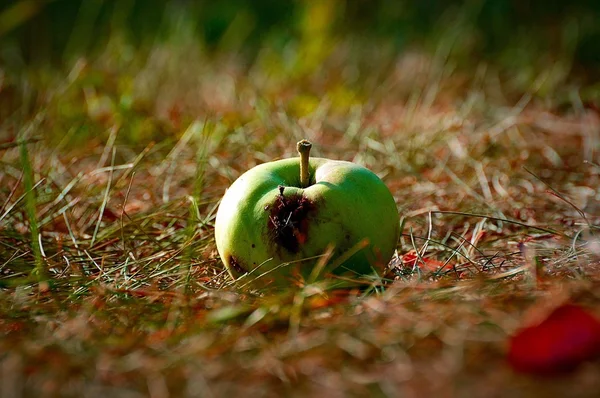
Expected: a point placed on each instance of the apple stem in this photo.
(304, 149)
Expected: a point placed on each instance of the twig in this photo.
(14, 144)
(547, 230)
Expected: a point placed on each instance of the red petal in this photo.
(567, 337)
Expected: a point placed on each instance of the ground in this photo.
(112, 170)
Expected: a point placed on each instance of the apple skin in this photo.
(265, 219)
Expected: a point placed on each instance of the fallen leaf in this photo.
(410, 259)
(569, 336)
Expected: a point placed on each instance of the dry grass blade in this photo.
(563, 198)
(105, 201)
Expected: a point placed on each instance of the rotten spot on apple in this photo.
(236, 266)
(288, 221)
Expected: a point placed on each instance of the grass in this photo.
(497, 188)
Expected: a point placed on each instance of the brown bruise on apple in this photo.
(236, 265)
(288, 223)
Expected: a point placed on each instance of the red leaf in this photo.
(567, 337)
(425, 263)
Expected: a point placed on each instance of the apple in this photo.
(281, 212)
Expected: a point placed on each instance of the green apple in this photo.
(288, 210)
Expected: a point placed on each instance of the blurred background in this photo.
(172, 58)
(56, 30)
